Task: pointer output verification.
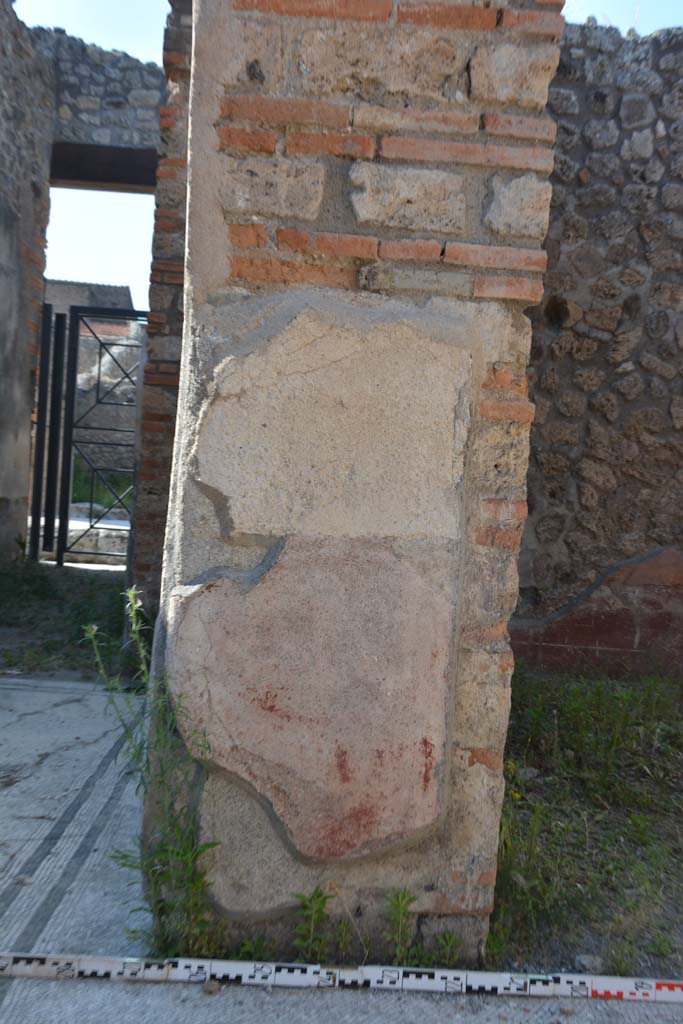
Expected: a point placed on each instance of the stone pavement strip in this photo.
(65, 804)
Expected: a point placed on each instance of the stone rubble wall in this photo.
(102, 97)
(606, 476)
(26, 117)
(367, 205)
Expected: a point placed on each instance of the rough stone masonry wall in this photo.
(102, 97)
(26, 113)
(602, 567)
(165, 329)
(367, 203)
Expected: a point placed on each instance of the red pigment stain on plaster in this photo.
(379, 757)
(487, 877)
(427, 748)
(341, 757)
(268, 701)
(349, 833)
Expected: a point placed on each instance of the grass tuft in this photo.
(591, 836)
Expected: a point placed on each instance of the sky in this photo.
(80, 220)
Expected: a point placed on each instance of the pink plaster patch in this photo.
(324, 686)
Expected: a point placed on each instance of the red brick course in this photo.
(475, 637)
(502, 409)
(523, 289)
(500, 510)
(356, 147)
(508, 538)
(545, 24)
(439, 15)
(325, 244)
(411, 249)
(248, 236)
(505, 379)
(283, 111)
(535, 129)
(357, 10)
(523, 158)
(250, 140)
(281, 271)
(495, 257)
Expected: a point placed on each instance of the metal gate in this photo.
(84, 453)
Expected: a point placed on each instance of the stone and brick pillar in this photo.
(164, 332)
(367, 202)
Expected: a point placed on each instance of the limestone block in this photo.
(496, 459)
(416, 63)
(258, 60)
(272, 187)
(386, 277)
(411, 198)
(513, 74)
(519, 207)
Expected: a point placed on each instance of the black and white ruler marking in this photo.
(282, 975)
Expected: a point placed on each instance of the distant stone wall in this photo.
(102, 97)
(26, 114)
(63, 294)
(606, 471)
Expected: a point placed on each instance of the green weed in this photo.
(400, 930)
(310, 932)
(259, 948)
(661, 945)
(177, 887)
(448, 949)
(344, 940)
(621, 958)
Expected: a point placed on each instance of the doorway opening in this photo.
(92, 351)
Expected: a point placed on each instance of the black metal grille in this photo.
(92, 429)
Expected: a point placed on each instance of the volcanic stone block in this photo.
(409, 198)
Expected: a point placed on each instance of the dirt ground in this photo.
(44, 610)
